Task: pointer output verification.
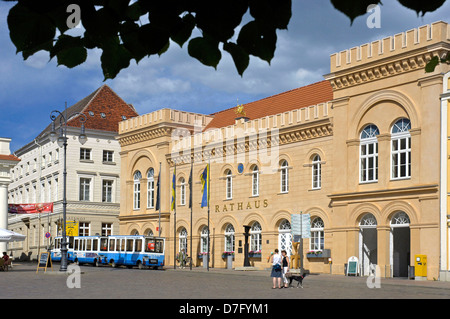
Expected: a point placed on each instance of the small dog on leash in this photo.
(297, 277)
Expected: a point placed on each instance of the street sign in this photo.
(301, 225)
(72, 228)
(47, 235)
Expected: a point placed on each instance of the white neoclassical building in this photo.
(93, 192)
(7, 161)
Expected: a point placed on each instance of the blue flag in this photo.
(205, 186)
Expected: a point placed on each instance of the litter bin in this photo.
(420, 267)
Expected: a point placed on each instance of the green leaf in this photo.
(274, 13)
(353, 8)
(205, 50)
(70, 51)
(422, 7)
(182, 31)
(152, 38)
(431, 65)
(115, 57)
(240, 56)
(30, 31)
(258, 41)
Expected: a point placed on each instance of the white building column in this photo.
(3, 211)
(7, 161)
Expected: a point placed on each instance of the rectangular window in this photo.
(107, 191)
(369, 162)
(84, 229)
(85, 189)
(106, 229)
(401, 158)
(85, 154)
(108, 156)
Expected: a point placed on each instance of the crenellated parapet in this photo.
(403, 52)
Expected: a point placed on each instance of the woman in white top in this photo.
(276, 273)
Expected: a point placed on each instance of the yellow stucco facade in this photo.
(364, 165)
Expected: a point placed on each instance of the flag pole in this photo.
(159, 195)
(175, 217)
(191, 186)
(209, 190)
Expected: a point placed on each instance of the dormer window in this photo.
(91, 113)
(103, 115)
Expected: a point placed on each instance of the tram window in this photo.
(88, 244)
(122, 244)
(159, 246)
(83, 244)
(112, 244)
(70, 242)
(138, 245)
(149, 245)
(103, 244)
(76, 243)
(129, 244)
(95, 244)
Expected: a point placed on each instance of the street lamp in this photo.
(62, 142)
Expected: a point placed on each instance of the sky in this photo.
(31, 89)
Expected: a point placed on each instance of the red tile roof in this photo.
(305, 96)
(9, 158)
(103, 100)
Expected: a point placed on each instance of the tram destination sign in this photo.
(301, 225)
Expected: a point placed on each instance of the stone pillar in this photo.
(7, 162)
(3, 211)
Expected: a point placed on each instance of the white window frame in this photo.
(183, 242)
(229, 184)
(317, 241)
(255, 237)
(108, 156)
(105, 191)
(107, 229)
(255, 181)
(284, 177)
(83, 183)
(151, 188)
(229, 238)
(316, 172)
(182, 191)
(368, 139)
(137, 176)
(397, 138)
(84, 152)
(204, 240)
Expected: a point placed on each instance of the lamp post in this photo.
(62, 142)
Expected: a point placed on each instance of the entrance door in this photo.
(368, 253)
(400, 245)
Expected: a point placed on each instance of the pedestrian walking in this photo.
(276, 273)
(285, 263)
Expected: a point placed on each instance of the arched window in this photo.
(401, 149)
(400, 219)
(255, 237)
(183, 239)
(368, 221)
(204, 240)
(182, 191)
(229, 184)
(229, 238)
(137, 190)
(151, 188)
(316, 173)
(284, 177)
(317, 235)
(368, 155)
(255, 181)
